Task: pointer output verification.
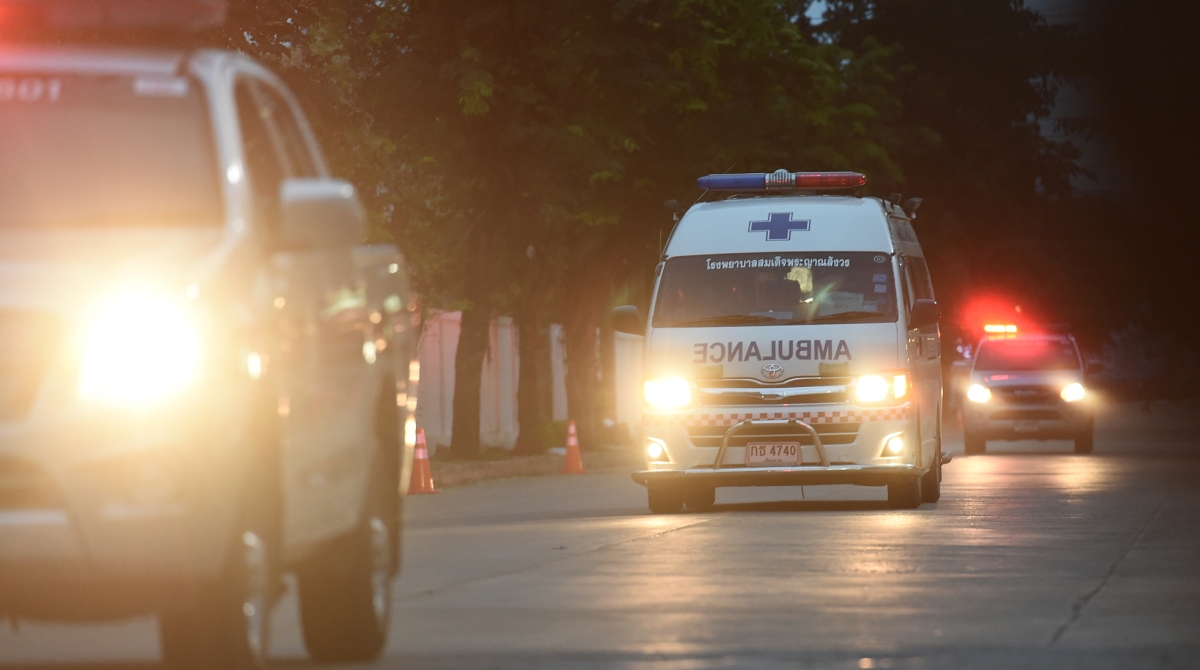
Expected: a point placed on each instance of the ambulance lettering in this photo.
(801, 350)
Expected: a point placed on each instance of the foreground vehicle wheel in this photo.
(905, 494)
(700, 497)
(974, 443)
(1083, 441)
(664, 499)
(345, 597)
(228, 624)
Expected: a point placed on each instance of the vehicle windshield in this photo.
(105, 151)
(792, 288)
(1027, 353)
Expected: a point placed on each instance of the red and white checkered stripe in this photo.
(833, 416)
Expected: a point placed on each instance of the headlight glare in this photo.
(140, 349)
(978, 393)
(1073, 392)
(671, 393)
(872, 388)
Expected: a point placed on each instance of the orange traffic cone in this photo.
(573, 465)
(422, 476)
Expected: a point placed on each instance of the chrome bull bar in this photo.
(720, 460)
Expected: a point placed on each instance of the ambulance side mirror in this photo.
(320, 213)
(627, 319)
(925, 312)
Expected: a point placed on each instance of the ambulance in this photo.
(792, 339)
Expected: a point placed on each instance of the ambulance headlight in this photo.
(878, 388)
(1073, 392)
(138, 350)
(668, 394)
(978, 393)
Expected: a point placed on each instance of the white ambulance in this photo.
(792, 340)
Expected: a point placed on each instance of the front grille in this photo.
(831, 433)
(794, 391)
(1026, 415)
(28, 344)
(24, 485)
(1026, 395)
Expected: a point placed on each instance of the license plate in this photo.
(1026, 427)
(773, 453)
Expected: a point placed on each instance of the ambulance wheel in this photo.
(664, 499)
(931, 481)
(700, 497)
(974, 443)
(905, 494)
(1083, 441)
(346, 591)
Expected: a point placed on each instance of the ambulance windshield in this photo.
(105, 151)
(1027, 354)
(793, 288)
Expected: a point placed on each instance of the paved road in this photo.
(1035, 558)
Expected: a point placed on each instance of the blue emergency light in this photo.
(782, 180)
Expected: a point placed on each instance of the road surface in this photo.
(1034, 558)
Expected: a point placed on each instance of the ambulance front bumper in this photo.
(839, 445)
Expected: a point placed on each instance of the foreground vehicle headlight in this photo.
(978, 393)
(671, 393)
(140, 349)
(877, 388)
(1073, 392)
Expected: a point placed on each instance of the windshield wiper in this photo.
(847, 316)
(728, 320)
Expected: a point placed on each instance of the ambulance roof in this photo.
(805, 223)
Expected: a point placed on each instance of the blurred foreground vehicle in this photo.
(202, 375)
(792, 340)
(1026, 385)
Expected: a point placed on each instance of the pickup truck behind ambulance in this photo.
(792, 340)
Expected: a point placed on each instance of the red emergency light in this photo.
(18, 17)
(782, 180)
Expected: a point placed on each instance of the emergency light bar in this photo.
(782, 180)
(1000, 328)
(20, 16)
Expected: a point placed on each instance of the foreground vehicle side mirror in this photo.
(925, 312)
(319, 213)
(627, 319)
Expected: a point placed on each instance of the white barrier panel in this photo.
(628, 364)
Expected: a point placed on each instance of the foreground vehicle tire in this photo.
(700, 497)
(228, 624)
(346, 590)
(1084, 440)
(905, 494)
(664, 499)
(974, 443)
(346, 596)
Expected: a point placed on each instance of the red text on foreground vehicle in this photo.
(792, 339)
(1026, 384)
(204, 378)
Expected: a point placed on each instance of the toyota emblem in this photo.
(772, 371)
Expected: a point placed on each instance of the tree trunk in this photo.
(533, 397)
(582, 383)
(468, 375)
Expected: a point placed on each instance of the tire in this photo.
(974, 443)
(346, 590)
(700, 497)
(664, 499)
(1084, 440)
(905, 494)
(931, 481)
